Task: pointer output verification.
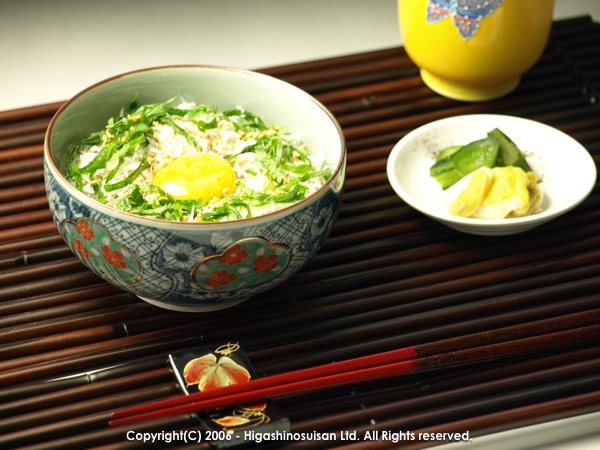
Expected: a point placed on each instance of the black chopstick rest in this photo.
(205, 368)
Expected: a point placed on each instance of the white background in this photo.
(52, 49)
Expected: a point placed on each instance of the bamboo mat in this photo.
(387, 277)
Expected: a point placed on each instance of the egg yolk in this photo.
(194, 177)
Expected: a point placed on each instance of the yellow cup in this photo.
(474, 50)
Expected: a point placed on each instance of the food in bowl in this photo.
(567, 181)
(488, 179)
(188, 265)
(189, 162)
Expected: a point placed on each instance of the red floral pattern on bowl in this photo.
(100, 251)
(246, 263)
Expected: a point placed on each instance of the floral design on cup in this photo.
(246, 263)
(466, 14)
(100, 251)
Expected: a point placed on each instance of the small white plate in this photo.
(565, 168)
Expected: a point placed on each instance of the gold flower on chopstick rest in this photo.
(210, 372)
(210, 368)
(246, 416)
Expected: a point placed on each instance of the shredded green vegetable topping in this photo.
(113, 165)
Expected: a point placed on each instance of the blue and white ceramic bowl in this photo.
(194, 267)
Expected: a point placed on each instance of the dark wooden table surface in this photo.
(387, 277)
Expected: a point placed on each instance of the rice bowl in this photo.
(189, 265)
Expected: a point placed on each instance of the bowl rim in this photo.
(170, 224)
(541, 217)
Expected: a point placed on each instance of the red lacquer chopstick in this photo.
(457, 351)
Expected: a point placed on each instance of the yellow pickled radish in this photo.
(497, 193)
(470, 199)
(201, 176)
